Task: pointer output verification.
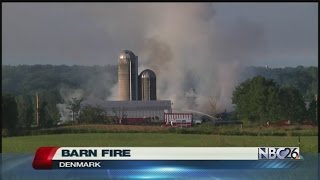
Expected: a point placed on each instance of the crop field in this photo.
(31, 143)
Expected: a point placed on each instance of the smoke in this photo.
(196, 57)
(99, 87)
(95, 89)
(64, 112)
(114, 93)
(67, 94)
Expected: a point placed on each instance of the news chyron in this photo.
(131, 157)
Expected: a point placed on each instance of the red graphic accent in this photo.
(43, 157)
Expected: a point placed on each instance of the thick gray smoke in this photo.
(197, 59)
(96, 89)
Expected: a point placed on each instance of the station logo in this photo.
(278, 153)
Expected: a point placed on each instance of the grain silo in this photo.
(147, 85)
(128, 76)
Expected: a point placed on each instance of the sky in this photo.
(278, 34)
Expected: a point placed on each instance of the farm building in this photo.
(135, 110)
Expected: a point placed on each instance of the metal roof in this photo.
(132, 104)
(147, 73)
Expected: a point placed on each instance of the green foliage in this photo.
(31, 143)
(48, 112)
(74, 105)
(9, 113)
(256, 100)
(33, 78)
(292, 104)
(312, 111)
(25, 111)
(304, 79)
(259, 100)
(91, 114)
(44, 119)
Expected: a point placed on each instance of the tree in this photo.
(52, 98)
(304, 79)
(44, 118)
(256, 100)
(32, 78)
(25, 111)
(9, 113)
(312, 111)
(74, 106)
(48, 111)
(91, 114)
(241, 99)
(120, 113)
(292, 104)
(260, 99)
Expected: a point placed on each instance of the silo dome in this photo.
(128, 76)
(148, 74)
(147, 85)
(127, 55)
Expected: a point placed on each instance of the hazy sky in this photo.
(95, 33)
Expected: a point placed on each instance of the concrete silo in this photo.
(128, 76)
(147, 85)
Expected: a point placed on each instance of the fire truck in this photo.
(178, 119)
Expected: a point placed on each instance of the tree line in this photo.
(304, 79)
(29, 79)
(20, 113)
(260, 100)
(256, 99)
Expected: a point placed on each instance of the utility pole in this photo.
(316, 97)
(37, 108)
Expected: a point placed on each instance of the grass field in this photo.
(208, 129)
(31, 143)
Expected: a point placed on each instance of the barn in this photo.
(132, 112)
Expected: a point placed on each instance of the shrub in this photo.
(5, 132)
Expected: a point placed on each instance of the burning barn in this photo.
(137, 95)
(135, 112)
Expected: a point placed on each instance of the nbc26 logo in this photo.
(278, 153)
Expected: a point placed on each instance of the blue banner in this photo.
(19, 166)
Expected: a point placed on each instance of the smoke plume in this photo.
(67, 94)
(96, 88)
(196, 58)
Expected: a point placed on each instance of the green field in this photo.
(31, 143)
